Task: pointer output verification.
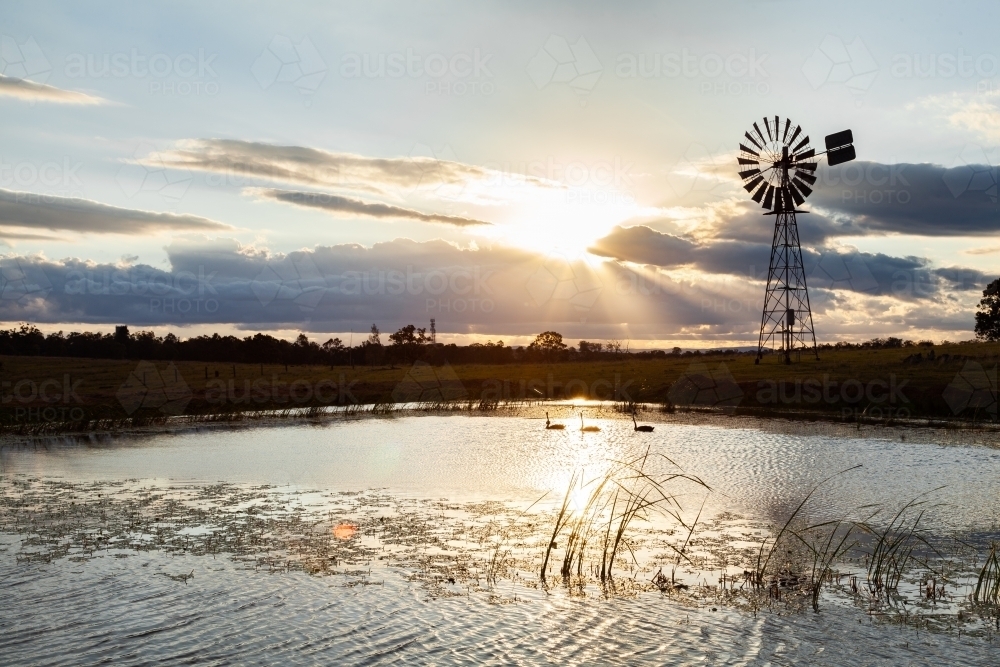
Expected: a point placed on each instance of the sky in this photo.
(504, 168)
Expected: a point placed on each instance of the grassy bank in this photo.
(955, 381)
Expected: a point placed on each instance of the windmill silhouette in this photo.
(778, 169)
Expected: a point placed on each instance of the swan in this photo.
(645, 428)
(588, 429)
(553, 427)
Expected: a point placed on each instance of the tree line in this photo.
(406, 345)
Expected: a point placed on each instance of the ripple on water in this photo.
(116, 610)
(108, 609)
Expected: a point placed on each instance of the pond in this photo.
(420, 539)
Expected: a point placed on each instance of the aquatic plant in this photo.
(987, 590)
(626, 492)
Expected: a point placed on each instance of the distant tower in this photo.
(434, 339)
(780, 170)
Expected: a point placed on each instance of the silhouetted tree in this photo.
(988, 315)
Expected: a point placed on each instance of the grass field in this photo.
(958, 383)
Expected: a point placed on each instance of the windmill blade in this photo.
(805, 189)
(749, 151)
(805, 155)
(752, 140)
(777, 121)
(767, 126)
(802, 143)
(769, 197)
(788, 126)
(760, 134)
(811, 166)
(743, 160)
(749, 187)
(799, 199)
(760, 192)
(805, 176)
(749, 173)
(797, 132)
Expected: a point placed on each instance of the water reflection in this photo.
(761, 473)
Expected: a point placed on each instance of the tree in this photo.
(373, 347)
(409, 335)
(548, 343)
(988, 315)
(333, 345)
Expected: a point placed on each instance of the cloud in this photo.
(989, 250)
(27, 209)
(42, 92)
(975, 114)
(499, 291)
(876, 274)
(920, 199)
(316, 167)
(352, 207)
(864, 198)
(642, 245)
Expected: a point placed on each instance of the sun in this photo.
(563, 221)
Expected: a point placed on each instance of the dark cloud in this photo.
(921, 199)
(26, 209)
(41, 92)
(501, 291)
(643, 245)
(352, 207)
(876, 274)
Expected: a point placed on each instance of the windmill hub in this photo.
(778, 170)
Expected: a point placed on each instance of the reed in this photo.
(987, 590)
(894, 546)
(757, 577)
(626, 492)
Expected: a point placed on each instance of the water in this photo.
(394, 605)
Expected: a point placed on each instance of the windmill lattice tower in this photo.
(778, 168)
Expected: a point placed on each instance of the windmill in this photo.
(778, 168)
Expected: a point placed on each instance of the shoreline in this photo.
(799, 422)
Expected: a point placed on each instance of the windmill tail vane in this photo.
(778, 169)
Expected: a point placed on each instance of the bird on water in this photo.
(553, 427)
(645, 428)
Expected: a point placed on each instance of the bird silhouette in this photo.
(553, 427)
(645, 428)
(588, 429)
